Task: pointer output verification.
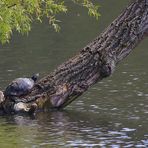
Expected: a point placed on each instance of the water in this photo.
(113, 113)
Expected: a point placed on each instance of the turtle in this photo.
(20, 86)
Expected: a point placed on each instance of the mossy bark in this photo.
(93, 63)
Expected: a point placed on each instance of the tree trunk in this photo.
(94, 62)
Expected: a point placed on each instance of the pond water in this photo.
(112, 113)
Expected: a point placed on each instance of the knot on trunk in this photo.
(107, 68)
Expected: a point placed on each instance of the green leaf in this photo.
(19, 14)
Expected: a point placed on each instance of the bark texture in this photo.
(94, 62)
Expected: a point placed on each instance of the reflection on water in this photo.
(113, 113)
(72, 129)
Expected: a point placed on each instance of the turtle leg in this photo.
(15, 99)
(39, 86)
(27, 100)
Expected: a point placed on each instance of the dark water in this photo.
(113, 113)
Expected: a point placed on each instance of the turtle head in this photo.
(1, 97)
(35, 77)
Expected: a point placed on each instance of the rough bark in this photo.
(94, 62)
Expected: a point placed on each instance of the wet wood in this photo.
(93, 63)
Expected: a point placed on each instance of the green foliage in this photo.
(92, 9)
(19, 14)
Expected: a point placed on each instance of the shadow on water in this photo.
(71, 129)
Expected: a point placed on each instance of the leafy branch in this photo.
(19, 14)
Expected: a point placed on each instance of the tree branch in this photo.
(94, 62)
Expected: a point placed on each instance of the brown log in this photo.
(93, 63)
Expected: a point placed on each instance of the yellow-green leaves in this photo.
(5, 31)
(52, 9)
(19, 14)
(92, 9)
(13, 17)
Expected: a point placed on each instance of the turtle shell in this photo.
(20, 86)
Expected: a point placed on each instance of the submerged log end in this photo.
(63, 94)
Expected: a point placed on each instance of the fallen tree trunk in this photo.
(94, 62)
